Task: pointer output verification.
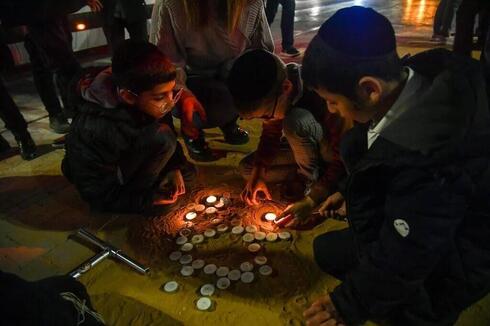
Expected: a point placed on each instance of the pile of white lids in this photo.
(224, 274)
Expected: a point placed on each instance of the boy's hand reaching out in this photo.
(323, 313)
(176, 181)
(191, 105)
(334, 205)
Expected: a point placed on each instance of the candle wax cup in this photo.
(270, 217)
(211, 200)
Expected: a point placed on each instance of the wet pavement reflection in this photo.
(411, 19)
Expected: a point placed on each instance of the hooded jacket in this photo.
(103, 137)
(418, 202)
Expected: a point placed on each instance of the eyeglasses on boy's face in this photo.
(168, 102)
(263, 111)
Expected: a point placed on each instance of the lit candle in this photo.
(270, 217)
(191, 215)
(211, 200)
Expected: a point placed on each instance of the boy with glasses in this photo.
(122, 153)
(263, 87)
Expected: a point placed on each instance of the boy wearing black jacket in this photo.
(416, 251)
(122, 153)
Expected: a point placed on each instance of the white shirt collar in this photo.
(397, 109)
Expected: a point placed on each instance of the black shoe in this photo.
(59, 124)
(199, 150)
(236, 136)
(27, 148)
(4, 145)
(291, 52)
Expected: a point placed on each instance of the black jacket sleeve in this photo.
(422, 213)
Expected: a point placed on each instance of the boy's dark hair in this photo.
(255, 77)
(140, 65)
(353, 43)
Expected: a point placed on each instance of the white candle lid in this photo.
(187, 270)
(236, 222)
(246, 266)
(204, 303)
(222, 271)
(200, 208)
(260, 260)
(181, 240)
(222, 228)
(185, 232)
(210, 269)
(186, 259)
(259, 235)
(248, 237)
(207, 290)
(198, 238)
(247, 277)
(210, 233)
(191, 206)
(198, 264)
(219, 204)
(271, 237)
(234, 274)
(191, 215)
(171, 286)
(254, 247)
(265, 270)
(223, 283)
(237, 229)
(251, 228)
(285, 235)
(187, 247)
(175, 255)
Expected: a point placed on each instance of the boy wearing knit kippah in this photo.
(416, 251)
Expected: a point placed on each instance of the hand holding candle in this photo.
(297, 213)
(283, 220)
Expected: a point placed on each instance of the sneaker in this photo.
(27, 147)
(291, 52)
(199, 150)
(59, 124)
(236, 136)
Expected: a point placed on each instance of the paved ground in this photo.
(39, 209)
